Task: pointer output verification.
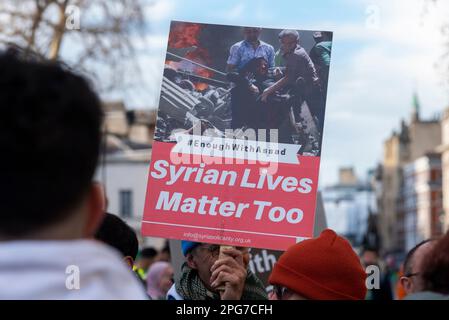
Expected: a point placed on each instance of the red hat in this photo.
(324, 268)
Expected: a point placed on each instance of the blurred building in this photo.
(125, 163)
(348, 204)
(444, 149)
(415, 139)
(130, 126)
(422, 199)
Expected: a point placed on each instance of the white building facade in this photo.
(347, 209)
(422, 196)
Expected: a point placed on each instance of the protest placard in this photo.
(236, 154)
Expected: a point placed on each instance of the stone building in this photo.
(414, 140)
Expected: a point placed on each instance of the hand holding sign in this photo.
(230, 270)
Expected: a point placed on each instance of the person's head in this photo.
(256, 66)
(412, 280)
(288, 40)
(116, 233)
(201, 257)
(164, 254)
(159, 279)
(50, 133)
(324, 268)
(318, 36)
(390, 262)
(145, 258)
(370, 257)
(260, 66)
(435, 268)
(326, 36)
(251, 34)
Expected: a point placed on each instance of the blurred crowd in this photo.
(422, 274)
(57, 241)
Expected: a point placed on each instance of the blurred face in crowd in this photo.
(164, 256)
(412, 280)
(262, 67)
(144, 262)
(370, 258)
(251, 34)
(166, 279)
(390, 261)
(288, 43)
(202, 257)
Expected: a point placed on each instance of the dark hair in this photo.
(166, 248)
(409, 257)
(116, 233)
(148, 253)
(369, 249)
(49, 139)
(436, 267)
(289, 33)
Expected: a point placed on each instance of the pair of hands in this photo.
(230, 271)
(278, 74)
(264, 95)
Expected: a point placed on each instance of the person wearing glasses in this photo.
(323, 268)
(412, 280)
(204, 272)
(433, 272)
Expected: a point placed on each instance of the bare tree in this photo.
(98, 33)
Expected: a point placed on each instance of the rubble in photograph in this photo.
(185, 106)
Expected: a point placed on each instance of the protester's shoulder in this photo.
(324, 45)
(172, 294)
(301, 52)
(292, 59)
(113, 279)
(102, 272)
(109, 277)
(298, 55)
(237, 45)
(88, 248)
(267, 45)
(301, 56)
(81, 249)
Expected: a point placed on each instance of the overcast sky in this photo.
(383, 51)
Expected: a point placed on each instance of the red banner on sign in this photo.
(230, 204)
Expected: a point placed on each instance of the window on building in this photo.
(435, 175)
(126, 208)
